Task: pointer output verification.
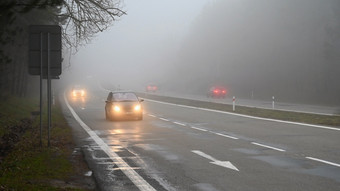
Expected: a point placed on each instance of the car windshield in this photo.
(124, 96)
(76, 87)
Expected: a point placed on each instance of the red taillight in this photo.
(216, 91)
(223, 91)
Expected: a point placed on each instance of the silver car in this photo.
(123, 105)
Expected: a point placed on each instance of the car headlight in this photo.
(74, 93)
(116, 108)
(138, 107)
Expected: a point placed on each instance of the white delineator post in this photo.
(273, 103)
(233, 103)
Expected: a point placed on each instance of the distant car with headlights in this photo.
(78, 91)
(217, 92)
(151, 88)
(123, 105)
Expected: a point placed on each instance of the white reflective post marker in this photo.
(233, 103)
(273, 103)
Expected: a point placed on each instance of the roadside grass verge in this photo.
(13, 111)
(27, 165)
(315, 119)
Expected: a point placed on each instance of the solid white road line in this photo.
(163, 119)
(223, 135)
(198, 128)
(247, 116)
(254, 106)
(324, 161)
(269, 147)
(182, 124)
(276, 109)
(127, 170)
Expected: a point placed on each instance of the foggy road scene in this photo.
(205, 95)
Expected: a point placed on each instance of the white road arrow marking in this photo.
(225, 164)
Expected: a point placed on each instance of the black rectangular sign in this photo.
(39, 36)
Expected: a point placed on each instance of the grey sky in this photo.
(138, 43)
(246, 45)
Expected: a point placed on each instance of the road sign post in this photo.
(41, 84)
(45, 60)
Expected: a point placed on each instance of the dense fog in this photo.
(140, 47)
(288, 49)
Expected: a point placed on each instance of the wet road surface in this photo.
(183, 148)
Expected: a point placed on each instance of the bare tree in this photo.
(82, 19)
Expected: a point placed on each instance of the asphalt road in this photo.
(182, 148)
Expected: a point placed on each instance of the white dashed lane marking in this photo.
(198, 128)
(323, 161)
(269, 147)
(178, 123)
(164, 119)
(254, 143)
(223, 135)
